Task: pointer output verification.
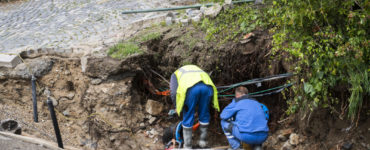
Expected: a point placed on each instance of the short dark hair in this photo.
(241, 90)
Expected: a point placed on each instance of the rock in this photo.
(36, 67)
(203, 9)
(153, 132)
(213, 11)
(347, 146)
(71, 95)
(83, 63)
(66, 112)
(67, 72)
(227, 4)
(286, 146)
(189, 12)
(2, 76)
(142, 124)
(47, 92)
(294, 139)
(101, 67)
(155, 140)
(184, 22)
(96, 81)
(271, 140)
(169, 21)
(170, 14)
(195, 19)
(12, 126)
(153, 107)
(152, 119)
(177, 20)
(363, 145)
(286, 132)
(245, 41)
(196, 13)
(282, 138)
(9, 61)
(55, 102)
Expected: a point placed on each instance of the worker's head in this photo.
(240, 91)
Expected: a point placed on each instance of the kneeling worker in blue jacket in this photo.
(244, 120)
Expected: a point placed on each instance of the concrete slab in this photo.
(9, 61)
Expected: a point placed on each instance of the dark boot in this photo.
(187, 137)
(203, 136)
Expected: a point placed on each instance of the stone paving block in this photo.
(9, 61)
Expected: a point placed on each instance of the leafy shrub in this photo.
(329, 41)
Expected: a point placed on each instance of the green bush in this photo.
(121, 50)
(329, 41)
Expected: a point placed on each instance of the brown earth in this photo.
(104, 103)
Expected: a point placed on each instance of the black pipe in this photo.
(55, 123)
(35, 115)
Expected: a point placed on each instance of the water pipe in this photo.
(180, 7)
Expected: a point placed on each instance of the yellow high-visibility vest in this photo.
(187, 76)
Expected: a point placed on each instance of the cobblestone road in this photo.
(34, 24)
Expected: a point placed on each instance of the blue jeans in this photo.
(199, 95)
(235, 137)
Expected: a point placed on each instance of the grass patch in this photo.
(122, 50)
(150, 36)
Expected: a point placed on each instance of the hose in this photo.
(180, 7)
(34, 100)
(55, 123)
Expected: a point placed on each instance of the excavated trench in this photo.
(102, 103)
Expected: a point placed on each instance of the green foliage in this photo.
(121, 50)
(150, 36)
(163, 23)
(231, 23)
(329, 41)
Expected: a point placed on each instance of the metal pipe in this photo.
(55, 123)
(180, 7)
(33, 84)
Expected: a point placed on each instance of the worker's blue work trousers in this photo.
(235, 137)
(199, 95)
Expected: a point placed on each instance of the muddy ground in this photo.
(101, 101)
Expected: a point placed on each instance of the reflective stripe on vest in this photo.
(183, 71)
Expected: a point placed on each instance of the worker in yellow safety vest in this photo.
(191, 86)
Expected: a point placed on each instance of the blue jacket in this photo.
(249, 115)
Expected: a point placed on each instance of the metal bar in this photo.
(55, 123)
(33, 84)
(180, 7)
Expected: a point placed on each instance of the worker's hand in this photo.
(172, 112)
